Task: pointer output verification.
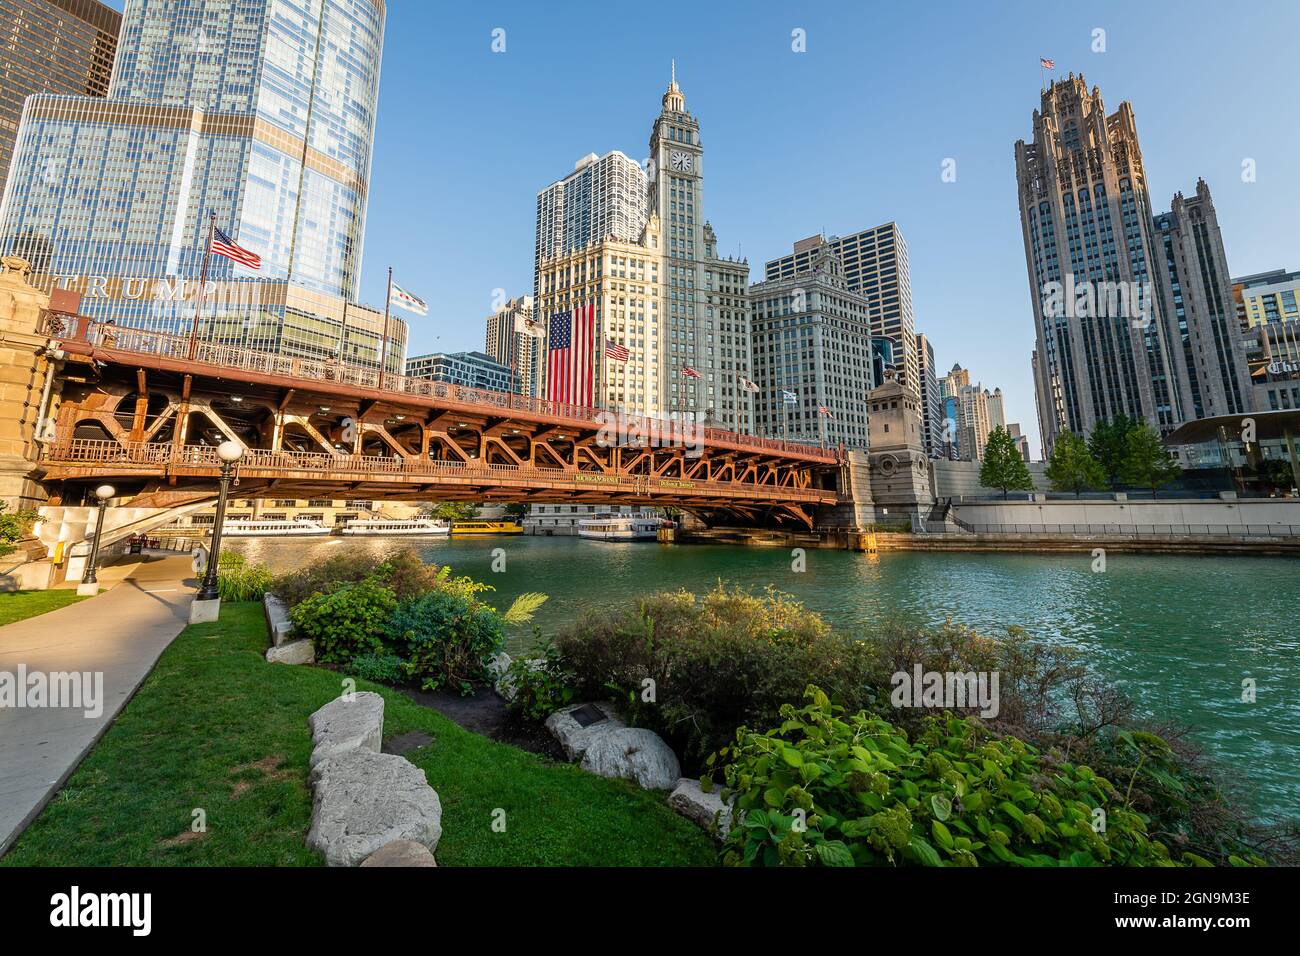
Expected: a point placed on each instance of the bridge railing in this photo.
(110, 336)
(159, 456)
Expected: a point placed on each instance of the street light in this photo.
(89, 582)
(229, 452)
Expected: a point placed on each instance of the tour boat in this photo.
(619, 528)
(486, 527)
(375, 527)
(273, 528)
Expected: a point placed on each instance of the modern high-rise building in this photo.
(1267, 297)
(968, 418)
(470, 369)
(1021, 440)
(512, 341)
(875, 265)
(1201, 313)
(1270, 335)
(931, 400)
(1086, 219)
(997, 409)
(261, 112)
(51, 46)
(812, 340)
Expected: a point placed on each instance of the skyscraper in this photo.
(258, 111)
(706, 328)
(1201, 313)
(931, 401)
(515, 348)
(1087, 225)
(968, 414)
(51, 46)
(875, 264)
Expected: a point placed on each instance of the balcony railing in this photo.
(170, 345)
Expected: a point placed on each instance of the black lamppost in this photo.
(229, 452)
(89, 582)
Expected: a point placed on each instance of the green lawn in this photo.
(18, 605)
(215, 727)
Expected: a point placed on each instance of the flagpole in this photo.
(203, 282)
(383, 348)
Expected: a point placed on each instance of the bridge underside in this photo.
(150, 424)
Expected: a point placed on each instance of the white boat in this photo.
(272, 528)
(619, 528)
(376, 527)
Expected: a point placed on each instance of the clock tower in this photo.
(676, 195)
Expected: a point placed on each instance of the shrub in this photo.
(347, 621)
(717, 662)
(237, 580)
(448, 639)
(402, 571)
(827, 790)
(380, 668)
(14, 526)
(542, 683)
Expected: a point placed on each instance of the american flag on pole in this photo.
(747, 385)
(1046, 64)
(689, 372)
(615, 351)
(823, 410)
(223, 245)
(570, 358)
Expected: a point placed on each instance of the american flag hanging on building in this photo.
(615, 351)
(570, 359)
(222, 245)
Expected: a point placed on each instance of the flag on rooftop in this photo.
(1046, 64)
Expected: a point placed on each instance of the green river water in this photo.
(1179, 634)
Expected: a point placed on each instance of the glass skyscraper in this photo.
(260, 111)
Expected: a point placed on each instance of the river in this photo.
(1178, 633)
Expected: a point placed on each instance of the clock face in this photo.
(681, 160)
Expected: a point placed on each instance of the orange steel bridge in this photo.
(145, 411)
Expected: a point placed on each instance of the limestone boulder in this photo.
(633, 753)
(347, 724)
(706, 809)
(365, 801)
(277, 619)
(401, 853)
(576, 726)
(292, 652)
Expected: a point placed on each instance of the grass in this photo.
(216, 728)
(20, 605)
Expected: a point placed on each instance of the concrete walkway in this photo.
(120, 633)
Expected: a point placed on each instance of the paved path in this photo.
(120, 633)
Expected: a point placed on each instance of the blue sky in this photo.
(849, 134)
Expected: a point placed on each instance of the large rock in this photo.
(573, 736)
(633, 753)
(498, 669)
(366, 800)
(706, 809)
(401, 853)
(277, 619)
(344, 725)
(292, 652)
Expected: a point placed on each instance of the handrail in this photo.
(114, 337)
(95, 451)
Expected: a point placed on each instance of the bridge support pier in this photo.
(27, 368)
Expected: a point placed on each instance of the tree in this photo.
(1147, 462)
(1072, 467)
(1107, 445)
(1004, 467)
(517, 512)
(451, 510)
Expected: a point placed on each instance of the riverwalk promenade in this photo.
(120, 634)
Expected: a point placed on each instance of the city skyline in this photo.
(966, 251)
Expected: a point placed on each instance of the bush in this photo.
(237, 580)
(14, 526)
(347, 621)
(402, 571)
(717, 662)
(380, 668)
(827, 790)
(448, 638)
(542, 683)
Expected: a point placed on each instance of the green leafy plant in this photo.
(401, 570)
(1003, 466)
(1147, 463)
(1107, 443)
(448, 639)
(542, 683)
(1072, 467)
(237, 580)
(380, 668)
(14, 526)
(822, 789)
(347, 621)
